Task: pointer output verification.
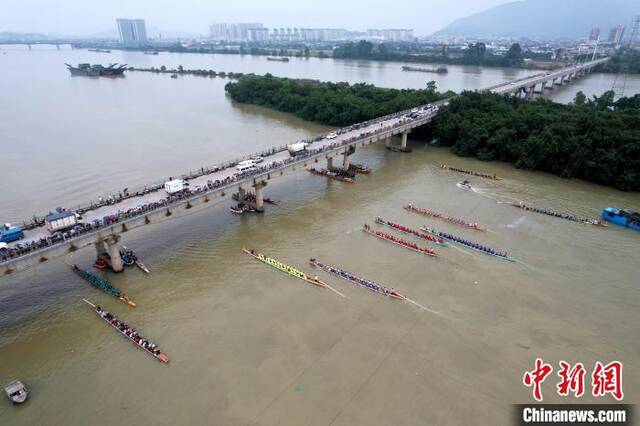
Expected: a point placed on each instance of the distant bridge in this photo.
(547, 80)
(106, 222)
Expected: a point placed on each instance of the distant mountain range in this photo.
(546, 19)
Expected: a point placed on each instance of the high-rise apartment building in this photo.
(594, 34)
(233, 32)
(133, 32)
(391, 34)
(616, 34)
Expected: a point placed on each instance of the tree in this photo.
(180, 69)
(431, 86)
(474, 55)
(514, 56)
(163, 68)
(580, 98)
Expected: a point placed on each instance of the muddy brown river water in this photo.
(250, 345)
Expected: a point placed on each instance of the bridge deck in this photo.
(227, 177)
(542, 77)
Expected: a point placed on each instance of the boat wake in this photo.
(516, 223)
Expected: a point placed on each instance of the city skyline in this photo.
(77, 18)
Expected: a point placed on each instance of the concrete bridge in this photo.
(105, 223)
(546, 80)
(205, 186)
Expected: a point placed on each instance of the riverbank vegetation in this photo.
(182, 71)
(596, 140)
(336, 104)
(475, 54)
(624, 60)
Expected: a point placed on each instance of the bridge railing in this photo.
(119, 217)
(112, 198)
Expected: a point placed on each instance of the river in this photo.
(251, 345)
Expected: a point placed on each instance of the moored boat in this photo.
(331, 175)
(278, 59)
(140, 264)
(289, 270)
(470, 172)
(453, 220)
(469, 244)
(399, 241)
(360, 168)
(103, 285)
(438, 70)
(16, 391)
(100, 264)
(395, 148)
(130, 333)
(133, 256)
(97, 70)
(410, 231)
(625, 217)
(127, 256)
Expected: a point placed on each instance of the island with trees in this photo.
(336, 104)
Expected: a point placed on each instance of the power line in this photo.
(620, 81)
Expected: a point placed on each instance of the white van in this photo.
(244, 166)
(174, 186)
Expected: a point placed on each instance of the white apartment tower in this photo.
(133, 32)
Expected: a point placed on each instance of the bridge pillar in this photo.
(387, 141)
(542, 87)
(258, 186)
(553, 83)
(101, 252)
(345, 159)
(241, 195)
(530, 91)
(403, 143)
(330, 163)
(115, 260)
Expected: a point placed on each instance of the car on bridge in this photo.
(9, 233)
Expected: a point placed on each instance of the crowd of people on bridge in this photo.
(27, 247)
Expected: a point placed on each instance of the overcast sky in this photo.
(83, 17)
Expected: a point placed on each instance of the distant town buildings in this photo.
(258, 33)
(594, 34)
(391, 35)
(616, 34)
(133, 32)
(233, 32)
